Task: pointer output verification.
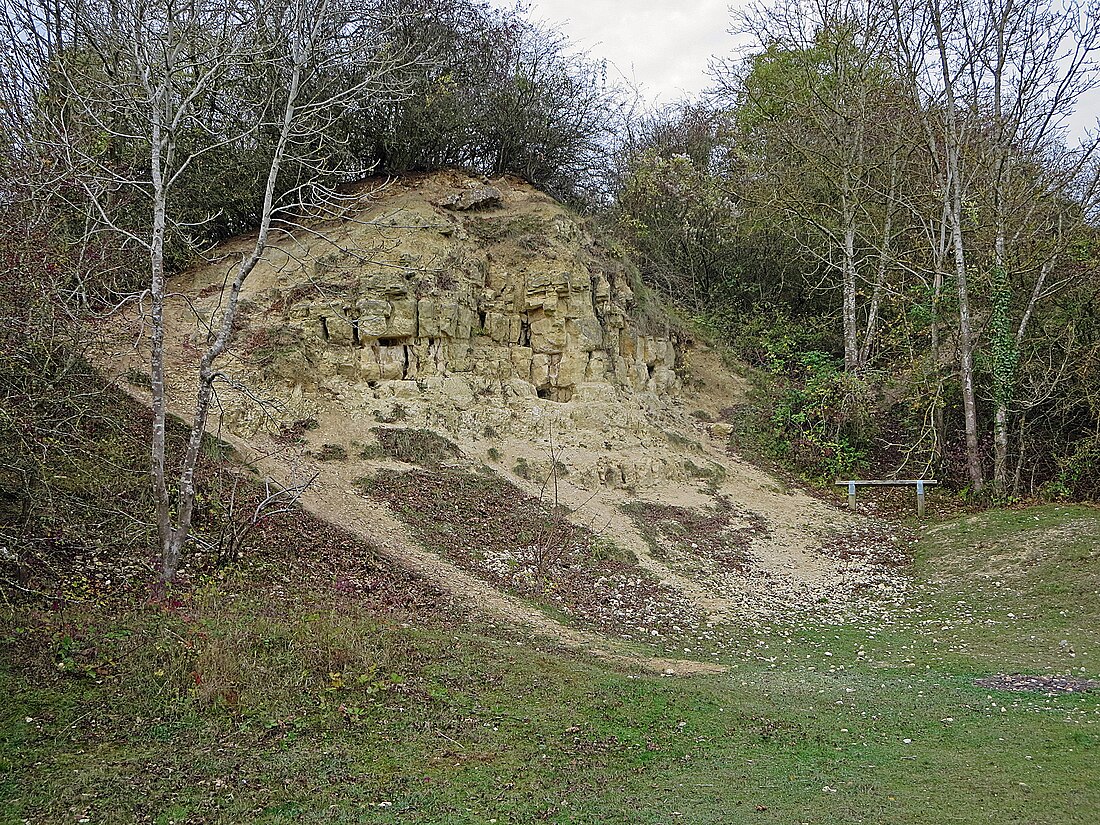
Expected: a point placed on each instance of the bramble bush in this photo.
(1078, 476)
(825, 422)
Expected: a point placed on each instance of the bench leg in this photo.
(920, 499)
(851, 497)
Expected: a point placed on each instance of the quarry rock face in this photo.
(511, 305)
(470, 306)
(473, 197)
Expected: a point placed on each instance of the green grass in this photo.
(310, 709)
(1013, 585)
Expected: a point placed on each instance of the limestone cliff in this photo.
(443, 286)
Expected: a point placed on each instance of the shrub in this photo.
(1079, 472)
(416, 446)
(826, 423)
(332, 452)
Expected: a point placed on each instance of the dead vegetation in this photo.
(422, 447)
(875, 543)
(1047, 685)
(721, 535)
(529, 547)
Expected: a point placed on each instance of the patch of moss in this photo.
(497, 230)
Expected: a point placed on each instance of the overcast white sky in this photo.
(664, 46)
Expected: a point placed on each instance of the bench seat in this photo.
(919, 483)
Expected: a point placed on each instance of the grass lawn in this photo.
(256, 700)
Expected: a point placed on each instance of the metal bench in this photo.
(919, 483)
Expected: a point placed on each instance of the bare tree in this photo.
(935, 65)
(818, 110)
(143, 90)
(994, 83)
(1039, 61)
(239, 519)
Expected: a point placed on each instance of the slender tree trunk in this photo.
(206, 373)
(1004, 354)
(966, 353)
(939, 427)
(851, 334)
(165, 533)
(1003, 367)
(1020, 442)
(1000, 447)
(952, 152)
(871, 331)
(1003, 344)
